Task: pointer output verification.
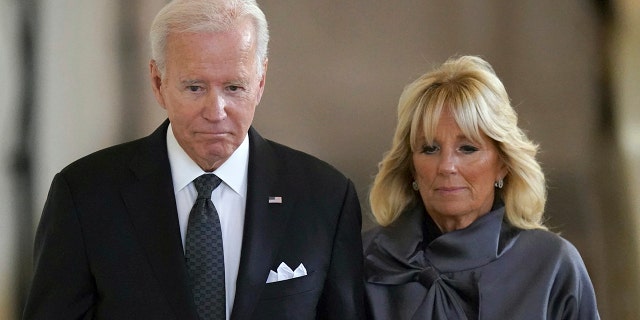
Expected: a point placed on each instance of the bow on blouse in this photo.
(397, 255)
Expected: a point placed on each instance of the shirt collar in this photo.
(232, 172)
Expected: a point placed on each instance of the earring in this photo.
(499, 184)
(414, 185)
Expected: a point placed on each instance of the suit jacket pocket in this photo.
(280, 289)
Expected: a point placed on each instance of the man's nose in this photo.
(214, 108)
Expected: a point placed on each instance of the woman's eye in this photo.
(468, 149)
(430, 149)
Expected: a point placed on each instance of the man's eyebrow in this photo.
(238, 80)
(191, 81)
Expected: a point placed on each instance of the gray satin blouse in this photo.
(489, 270)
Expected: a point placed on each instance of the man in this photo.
(116, 237)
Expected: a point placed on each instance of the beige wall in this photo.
(335, 73)
(625, 78)
(9, 81)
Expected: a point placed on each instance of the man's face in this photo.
(210, 89)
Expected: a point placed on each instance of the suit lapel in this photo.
(151, 204)
(263, 226)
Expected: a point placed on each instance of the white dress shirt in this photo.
(229, 199)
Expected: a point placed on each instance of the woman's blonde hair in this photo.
(467, 87)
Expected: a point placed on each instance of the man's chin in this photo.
(213, 156)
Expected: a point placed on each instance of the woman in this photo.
(460, 199)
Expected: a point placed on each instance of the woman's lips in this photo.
(449, 190)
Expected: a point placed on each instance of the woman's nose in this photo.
(447, 164)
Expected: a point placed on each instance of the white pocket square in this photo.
(285, 273)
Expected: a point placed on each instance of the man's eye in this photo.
(468, 149)
(430, 149)
(233, 88)
(193, 88)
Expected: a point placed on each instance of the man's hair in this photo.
(181, 16)
(467, 87)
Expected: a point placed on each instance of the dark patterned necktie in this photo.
(204, 253)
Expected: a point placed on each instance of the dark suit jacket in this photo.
(108, 245)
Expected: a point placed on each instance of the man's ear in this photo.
(263, 80)
(156, 82)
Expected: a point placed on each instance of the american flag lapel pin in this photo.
(275, 199)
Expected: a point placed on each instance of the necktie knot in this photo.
(205, 184)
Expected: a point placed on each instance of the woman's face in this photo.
(456, 176)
